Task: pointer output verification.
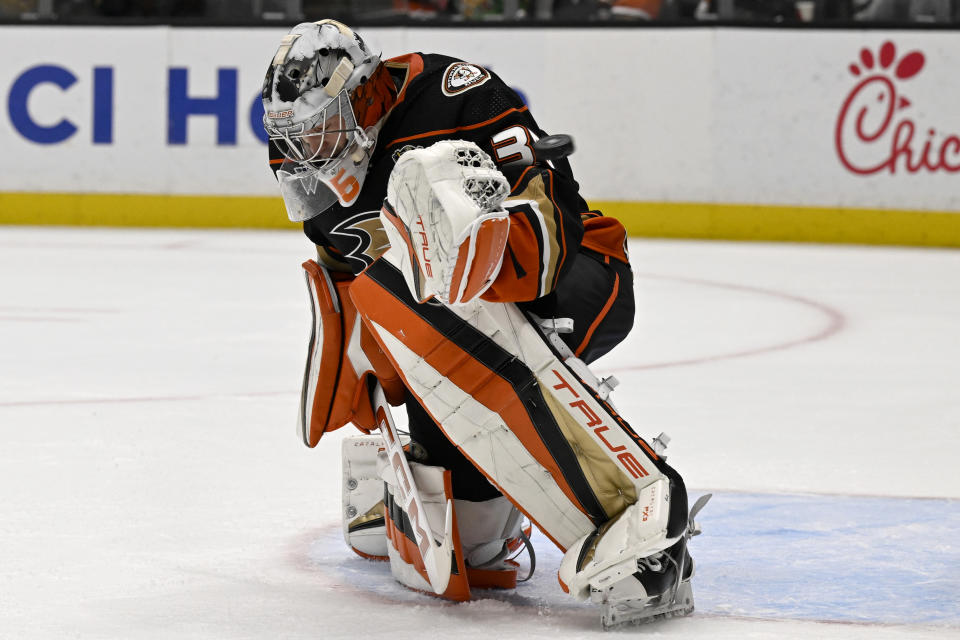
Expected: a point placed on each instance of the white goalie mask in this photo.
(308, 113)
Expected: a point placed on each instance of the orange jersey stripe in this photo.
(601, 315)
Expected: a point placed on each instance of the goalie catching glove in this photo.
(445, 219)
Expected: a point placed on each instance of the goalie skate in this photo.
(637, 612)
(629, 602)
(659, 589)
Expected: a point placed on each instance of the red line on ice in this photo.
(835, 324)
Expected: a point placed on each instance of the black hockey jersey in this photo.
(442, 98)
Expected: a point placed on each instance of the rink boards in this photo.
(800, 134)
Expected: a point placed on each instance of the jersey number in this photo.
(346, 185)
(512, 146)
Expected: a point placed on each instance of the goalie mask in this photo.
(308, 102)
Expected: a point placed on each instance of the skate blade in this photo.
(625, 613)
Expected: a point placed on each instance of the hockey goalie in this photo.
(460, 275)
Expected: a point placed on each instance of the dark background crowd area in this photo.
(569, 12)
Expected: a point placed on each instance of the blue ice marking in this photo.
(849, 559)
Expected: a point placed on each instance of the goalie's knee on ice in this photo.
(375, 525)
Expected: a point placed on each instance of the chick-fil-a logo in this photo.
(873, 131)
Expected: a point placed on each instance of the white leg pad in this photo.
(490, 443)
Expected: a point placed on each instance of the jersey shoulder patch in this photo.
(462, 76)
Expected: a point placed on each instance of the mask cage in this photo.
(324, 139)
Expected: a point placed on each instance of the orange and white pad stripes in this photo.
(498, 391)
(340, 354)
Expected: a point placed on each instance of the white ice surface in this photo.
(152, 484)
